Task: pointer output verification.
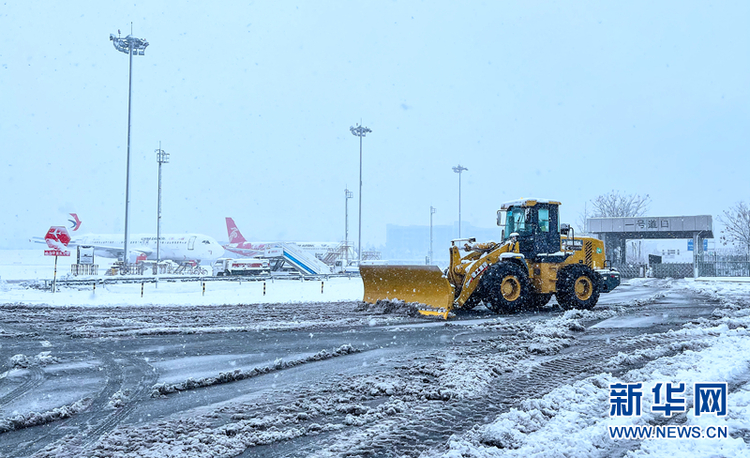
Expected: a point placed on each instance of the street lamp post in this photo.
(347, 195)
(432, 212)
(162, 157)
(131, 46)
(360, 132)
(458, 170)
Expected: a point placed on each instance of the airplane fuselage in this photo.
(174, 247)
(249, 250)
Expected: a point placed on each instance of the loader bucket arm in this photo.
(423, 284)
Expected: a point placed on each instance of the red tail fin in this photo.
(234, 234)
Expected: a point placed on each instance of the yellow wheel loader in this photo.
(538, 257)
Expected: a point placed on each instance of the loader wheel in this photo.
(506, 287)
(577, 287)
(537, 301)
(471, 302)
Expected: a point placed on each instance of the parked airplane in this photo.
(239, 246)
(285, 254)
(173, 247)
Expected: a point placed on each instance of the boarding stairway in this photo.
(304, 263)
(337, 253)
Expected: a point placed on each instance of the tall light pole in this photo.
(347, 195)
(458, 170)
(130, 46)
(432, 212)
(162, 157)
(360, 132)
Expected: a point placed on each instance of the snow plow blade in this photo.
(423, 284)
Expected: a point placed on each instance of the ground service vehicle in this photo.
(340, 266)
(537, 258)
(249, 266)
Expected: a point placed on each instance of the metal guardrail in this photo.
(724, 269)
(113, 280)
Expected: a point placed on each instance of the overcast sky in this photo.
(254, 100)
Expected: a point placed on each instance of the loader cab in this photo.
(536, 222)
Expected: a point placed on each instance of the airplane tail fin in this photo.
(75, 221)
(235, 236)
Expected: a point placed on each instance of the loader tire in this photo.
(471, 302)
(539, 300)
(577, 287)
(506, 287)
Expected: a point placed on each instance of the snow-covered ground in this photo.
(32, 265)
(573, 420)
(189, 293)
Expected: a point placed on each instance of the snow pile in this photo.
(40, 418)
(23, 362)
(119, 399)
(385, 306)
(163, 389)
(572, 420)
(567, 417)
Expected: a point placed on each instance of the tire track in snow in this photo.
(430, 425)
(141, 391)
(81, 421)
(36, 378)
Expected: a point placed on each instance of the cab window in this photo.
(516, 222)
(543, 220)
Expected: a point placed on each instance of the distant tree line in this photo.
(614, 204)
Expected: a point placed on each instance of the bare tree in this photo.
(614, 205)
(736, 222)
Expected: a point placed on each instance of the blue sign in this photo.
(705, 245)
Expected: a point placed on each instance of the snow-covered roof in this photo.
(529, 202)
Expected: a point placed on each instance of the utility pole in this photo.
(162, 157)
(360, 132)
(131, 46)
(347, 195)
(458, 170)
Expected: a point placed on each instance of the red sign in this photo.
(57, 239)
(56, 253)
(57, 234)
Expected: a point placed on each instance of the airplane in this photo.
(239, 246)
(174, 247)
